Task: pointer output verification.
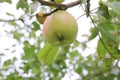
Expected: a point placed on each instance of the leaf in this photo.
(110, 43)
(79, 69)
(29, 50)
(76, 44)
(13, 23)
(9, 1)
(110, 40)
(14, 76)
(32, 34)
(26, 67)
(101, 49)
(9, 14)
(115, 5)
(74, 54)
(65, 49)
(113, 48)
(17, 35)
(47, 54)
(23, 4)
(36, 25)
(94, 33)
(106, 25)
(103, 10)
(108, 62)
(105, 32)
(7, 63)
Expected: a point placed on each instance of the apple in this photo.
(60, 28)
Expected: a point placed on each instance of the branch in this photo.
(47, 3)
(58, 5)
(85, 13)
(71, 4)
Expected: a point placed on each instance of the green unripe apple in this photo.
(60, 28)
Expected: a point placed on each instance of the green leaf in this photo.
(79, 69)
(47, 54)
(17, 35)
(103, 10)
(108, 62)
(26, 67)
(74, 54)
(36, 25)
(32, 34)
(9, 1)
(23, 4)
(76, 44)
(65, 49)
(115, 5)
(7, 63)
(105, 32)
(101, 49)
(110, 43)
(14, 76)
(9, 14)
(94, 33)
(29, 51)
(13, 23)
(113, 48)
(113, 0)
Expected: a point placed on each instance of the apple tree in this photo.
(31, 29)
